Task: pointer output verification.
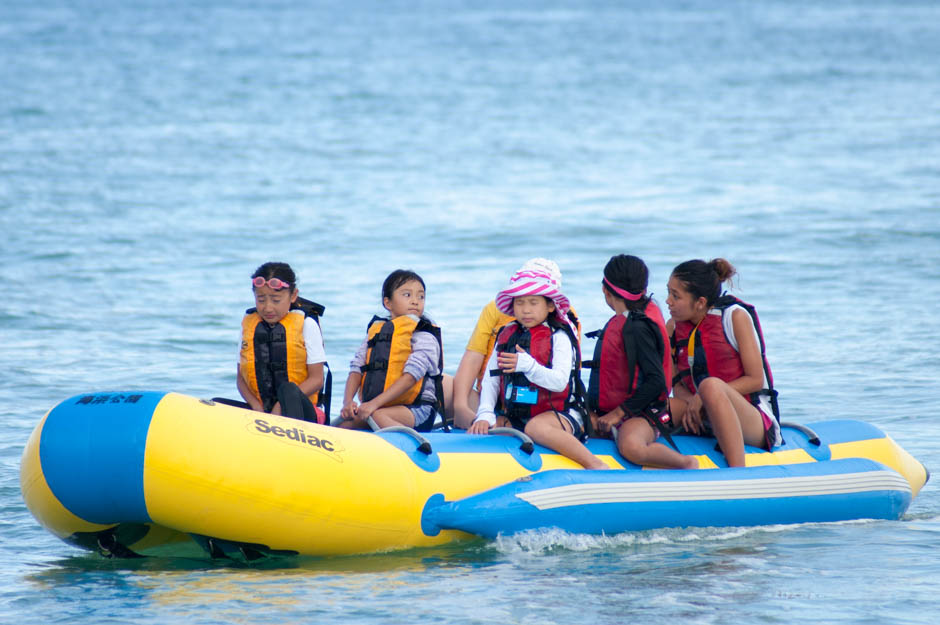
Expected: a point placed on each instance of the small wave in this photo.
(554, 540)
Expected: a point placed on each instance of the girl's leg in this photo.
(473, 399)
(636, 440)
(353, 424)
(555, 432)
(733, 418)
(447, 385)
(393, 415)
(464, 419)
(295, 404)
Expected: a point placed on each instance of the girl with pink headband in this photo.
(631, 370)
(532, 378)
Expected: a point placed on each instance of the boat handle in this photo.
(799, 427)
(424, 445)
(527, 445)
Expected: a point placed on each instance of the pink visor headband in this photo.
(623, 293)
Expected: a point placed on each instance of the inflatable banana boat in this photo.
(151, 473)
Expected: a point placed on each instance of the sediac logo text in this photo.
(294, 434)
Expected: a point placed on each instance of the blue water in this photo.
(153, 153)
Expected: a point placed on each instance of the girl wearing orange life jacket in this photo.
(530, 379)
(281, 360)
(631, 370)
(726, 386)
(397, 369)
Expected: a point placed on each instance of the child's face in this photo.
(408, 299)
(682, 305)
(273, 305)
(531, 310)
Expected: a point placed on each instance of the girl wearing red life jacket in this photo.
(530, 382)
(730, 394)
(632, 370)
(461, 397)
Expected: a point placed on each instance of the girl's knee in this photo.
(393, 415)
(710, 388)
(633, 447)
(629, 448)
(533, 427)
(544, 422)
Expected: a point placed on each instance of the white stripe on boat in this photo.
(758, 488)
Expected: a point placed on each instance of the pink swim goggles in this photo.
(275, 283)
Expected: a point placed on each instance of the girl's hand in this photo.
(350, 408)
(366, 409)
(608, 421)
(479, 427)
(507, 362)
(276, 409)
(691, 420)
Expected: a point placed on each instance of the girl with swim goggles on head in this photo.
(281, 359)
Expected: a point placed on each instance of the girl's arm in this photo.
(486, 415)
(686, 407)
(245, 392)
(399, 386)
(467, 372)
(749, 349)
(650, 361)
(425, 356)
(316, 356)
(349, 395)
(552, 379)
(314, 382)
(353, 381)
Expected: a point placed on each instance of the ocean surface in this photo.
(153, 153)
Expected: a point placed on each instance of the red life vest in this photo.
(520, 400)
(705, 350)
(612, 381)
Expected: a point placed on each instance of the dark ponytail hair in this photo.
(630, 274)
(398, 278)
(703, 279)
(281, 271)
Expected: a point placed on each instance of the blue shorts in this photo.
(573, 417)
(422, 414)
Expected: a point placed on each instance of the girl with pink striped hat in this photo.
(532, 378)
(464, 387)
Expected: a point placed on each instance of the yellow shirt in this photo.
(484, 334)
(483, 339)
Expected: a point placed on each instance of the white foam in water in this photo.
(543, 541)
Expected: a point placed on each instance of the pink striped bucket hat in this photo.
(533, 282)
